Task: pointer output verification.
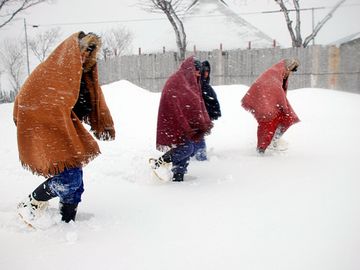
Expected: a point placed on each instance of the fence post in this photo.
(333, 66)
(249, 45)
(139, 51)
(220, 68)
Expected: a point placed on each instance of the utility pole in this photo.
(313, 23)
(0, 80)
(302, 9)
(27, 49)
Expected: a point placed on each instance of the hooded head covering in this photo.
(205, 66)
(197, 64)
(182, 114)
(209, 95)
(89, 43)
(292, 64)
(50, 135)
(266, 97)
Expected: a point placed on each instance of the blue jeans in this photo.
(200, 153)
(181, 155)
(68, 185)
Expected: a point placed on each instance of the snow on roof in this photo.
(211, 22)
(346, 39)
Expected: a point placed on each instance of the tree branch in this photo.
(298, 23)
(171, 8)
(10, 8)
(288, 21)
(321, 23)
(44, 42)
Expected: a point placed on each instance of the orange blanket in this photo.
(50, 135)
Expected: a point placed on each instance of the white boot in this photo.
(160, 168)
(278, 144)
(30, 209)
(156, 163)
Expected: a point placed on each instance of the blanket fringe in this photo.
(55, 168)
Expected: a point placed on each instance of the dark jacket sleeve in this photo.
(211, 102)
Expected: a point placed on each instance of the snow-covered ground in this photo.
(297, 210)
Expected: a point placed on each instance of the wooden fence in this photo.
(321, 67)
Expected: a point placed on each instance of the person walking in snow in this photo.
(266, 100)
(211, 103)
(182, 119)
(59, 95)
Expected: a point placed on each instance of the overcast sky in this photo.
(96, 16)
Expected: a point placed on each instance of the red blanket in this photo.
(266, 98)
(182, 114)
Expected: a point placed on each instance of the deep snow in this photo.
(294, 210)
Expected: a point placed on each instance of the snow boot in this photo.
(68, 211)
(277, 143)
(163, 160)
(178, 177)
(260, 151)
(31, 209)
(35, 204)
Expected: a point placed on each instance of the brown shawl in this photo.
(50, 135)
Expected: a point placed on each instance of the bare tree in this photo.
(13, 62)
(172, 9)
(296, 36)
(115, 42)
(42, 44)
(9, 9)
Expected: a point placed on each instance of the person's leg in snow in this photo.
(34, 205)
(68, 211)
(165, 158)
(36, 202)
(200, 150)
(180, 157)
(265, 133)
(161, 165)
(270, 132)
(276, 143)
(68, 186)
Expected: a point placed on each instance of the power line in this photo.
(198, 16)
(301, 9)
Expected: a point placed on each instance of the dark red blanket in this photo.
(182, 114)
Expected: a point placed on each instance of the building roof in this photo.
(346, 39)
(211, 22)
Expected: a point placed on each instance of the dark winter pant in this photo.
(181, 155)
(68, 185)
(266, 130)
(200, 153)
